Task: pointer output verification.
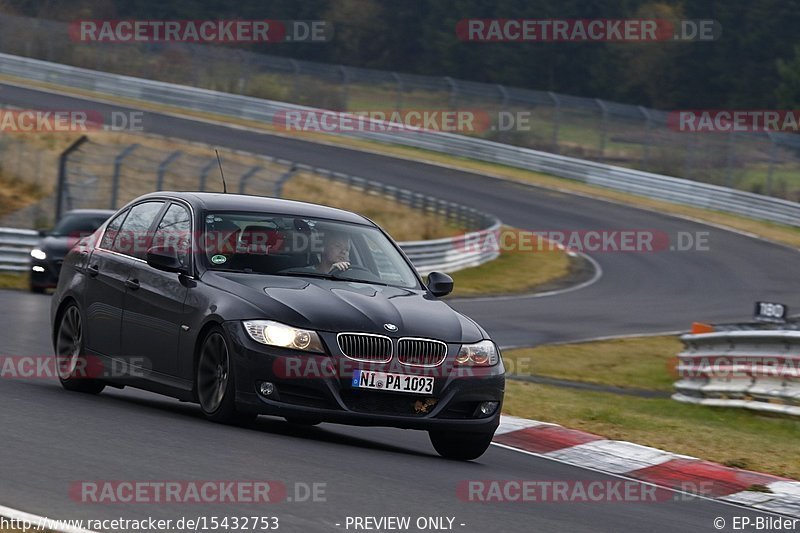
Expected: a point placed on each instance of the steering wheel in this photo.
(336, 272)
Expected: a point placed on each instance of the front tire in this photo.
(72, 365)
(216, 388)
(460, 445)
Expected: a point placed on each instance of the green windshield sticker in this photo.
(218, 259)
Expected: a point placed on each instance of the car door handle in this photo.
(132, 284)
(93, 270)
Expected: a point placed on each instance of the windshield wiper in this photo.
(337, 278)
(309, 275)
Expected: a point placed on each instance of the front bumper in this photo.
(317, 386)
(44, 274)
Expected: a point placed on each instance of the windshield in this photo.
(291, 246)
(78, 225)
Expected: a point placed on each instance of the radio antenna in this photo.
(219, 162)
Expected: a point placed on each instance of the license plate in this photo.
(367, 379)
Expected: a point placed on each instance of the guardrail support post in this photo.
(61, 187)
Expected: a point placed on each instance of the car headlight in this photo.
(483, 353)
(38, 254)
(277, 334)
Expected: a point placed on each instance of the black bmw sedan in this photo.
(49, 252)
(250, 305)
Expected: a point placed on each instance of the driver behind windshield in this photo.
(335, 256)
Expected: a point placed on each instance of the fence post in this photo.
(295, 79)
(503, 107)
(61, 187)
(345, 86)
(691, 144)
(117, 168)
(246, 176)
(453, 92)
(773, 152)
(647, 139)
(729, 159)
(204, 174)
(398, 99)
(162, 168)
(556, 120)
(603, 127)
(283, 179)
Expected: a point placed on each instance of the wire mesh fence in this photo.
(593, 129)
(106, 175)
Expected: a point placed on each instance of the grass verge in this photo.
(643, 363)
(16, 194)
(775, 232)
(402, 222)
(513, 273)
(10, 280)
(734, 437)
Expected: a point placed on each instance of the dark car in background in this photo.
(48, 254)
(250, 305)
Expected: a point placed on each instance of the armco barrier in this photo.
(747, 368)
(647, 184)
(15, 247)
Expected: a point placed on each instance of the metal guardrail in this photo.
(755, 369)
(15, 248)
(647, 184)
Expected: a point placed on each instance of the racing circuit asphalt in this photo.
(53, 438)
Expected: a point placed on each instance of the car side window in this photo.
(111, 230)
(175, 229)
(132, 238)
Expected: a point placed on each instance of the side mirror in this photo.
(165, 258)
(440, 284)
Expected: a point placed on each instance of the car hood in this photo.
(336, 306)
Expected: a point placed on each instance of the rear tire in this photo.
(71, 363)
(459, 445)
(215, 382)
